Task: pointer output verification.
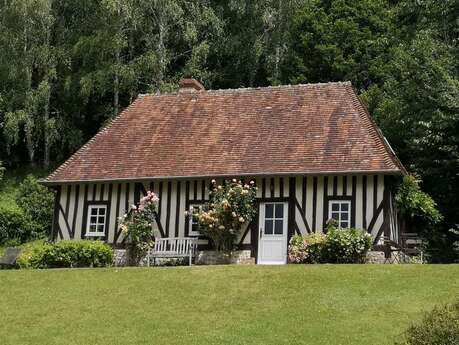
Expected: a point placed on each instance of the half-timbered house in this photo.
(313, 151)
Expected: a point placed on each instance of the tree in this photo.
(340, 40)
(417, 108)
(26, 63)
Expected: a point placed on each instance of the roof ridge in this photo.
(252, 88)
(104, 129)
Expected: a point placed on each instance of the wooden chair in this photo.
(411, 244)
(8, 260)
(392, 251)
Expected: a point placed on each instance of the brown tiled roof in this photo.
(314, 128)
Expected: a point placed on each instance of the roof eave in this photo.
(228, 175)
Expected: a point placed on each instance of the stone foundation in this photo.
(376, 257)
(239, 257)
(204, 257)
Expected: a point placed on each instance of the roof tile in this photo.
(313, 128)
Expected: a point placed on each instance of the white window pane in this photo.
(344, 225)
(335, 215)
(344, 206)
(101, 220)
(101, 211)
(269, 211)
(279, 211)
(93, 211)
(268, 227)
(335, 207)
(278, 227)
(345, 216)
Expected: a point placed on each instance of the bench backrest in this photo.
(176, 245)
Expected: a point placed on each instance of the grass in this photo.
(316, 304)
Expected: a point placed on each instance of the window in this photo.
(340, 210)
(274, 219)
(193, 223)
(97, 215)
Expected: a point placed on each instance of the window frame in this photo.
(340, 212)
(273, 219)
(89, 208)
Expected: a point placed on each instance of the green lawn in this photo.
(316, 304)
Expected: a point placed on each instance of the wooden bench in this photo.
(9, 259)
(173, 247)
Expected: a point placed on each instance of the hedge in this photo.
(70, 253)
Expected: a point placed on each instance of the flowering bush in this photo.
(306, 249)
(338, 246)
(347, 245)
(137, 226)
(222, 218)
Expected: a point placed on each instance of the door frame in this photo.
(260, 228)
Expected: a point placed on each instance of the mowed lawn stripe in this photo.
(316, 304)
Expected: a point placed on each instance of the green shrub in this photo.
(438, 327)
(338, 246)
(37, 203)
(72, 253)
(347, 245)
(414, 203)
(307, 249)
(15, 226)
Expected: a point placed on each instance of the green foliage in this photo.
(414, 203)
(422, 216)
(438, 327)
(340, 40)
(137, 226)
(417, 108)
(71, 253)
(337, 246)
(347, 245)
(37, 203)
(15, 226)
(231, 206)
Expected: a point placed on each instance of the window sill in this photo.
(95, 234)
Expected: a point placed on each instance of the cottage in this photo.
(313, 151)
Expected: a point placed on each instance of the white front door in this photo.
(272, 234)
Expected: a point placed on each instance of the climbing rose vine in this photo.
(137, 226)
(231, 206)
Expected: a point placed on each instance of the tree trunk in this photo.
(161, 51)
(116, 86)
(30, 143)
(29, 122)
(46, 134)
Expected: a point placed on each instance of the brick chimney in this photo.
(190, 85)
